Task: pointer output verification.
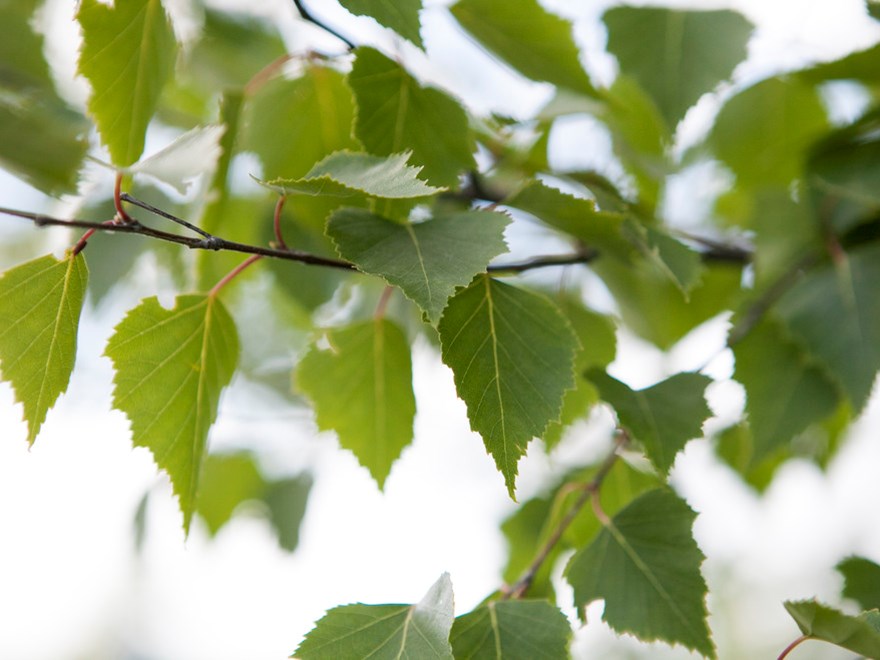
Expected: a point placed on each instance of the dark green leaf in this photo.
(736, 447)
(428, 260)
(286, 499)
(512, 355)
(533, 41)
(402, 16)
(40, 305)
(676, 56)
(662, 417)
(862, 581)
(645, 564)
(385, 632)
(859, 634)
(396, 114)
(512, 630)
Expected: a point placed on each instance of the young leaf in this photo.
(346, 174)
(785, 391)
(512, 355)
(533, 41)
(171, 367)
(40, 304)
(402, 16)
(385, 632)
(859, 634)
(862, 581)
(428, 260)
(676, 56)
(127, 55)
(178, 164)
(396, 114)
(362, 389)
(645, 564)
(512, 630)
(662, 417)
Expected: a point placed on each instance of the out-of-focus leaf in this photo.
(735, 446)
(402, 16)
(859, 634)
(862, 578)
(533, 41)
(286, 499)
(428, 260)
(396, 114)
(194, 153)
(40, 305)
(512, 355)
(676, 56)
(672, 258)
(861, 65)
(227, 480)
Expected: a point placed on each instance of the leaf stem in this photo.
(121, 215)
(788, 649)
(383, 302)
(234, 273)
(276, 222)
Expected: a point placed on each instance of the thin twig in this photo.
(163, 214)
(308, 16)
(542, 262)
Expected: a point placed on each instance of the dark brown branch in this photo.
(308, 16)
(543, 262)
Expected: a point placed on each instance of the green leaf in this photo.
(834, 312)
(645, 564)
(859, 634)
(533, 41)
(396, 114)
(292, 124)
(348, 174)
(662, 417)
(873, 7)
(402, 16)
(736, 447)
(385, 632)
(181, 162)
(127, 55)
(782, 401)
(362, 389)
(763, 132)
(862, 581)
(676, 56)
(861, 65)
(227, 481)
(672, 258)
(40, 305)
(428, 260)
(171, 367)
(512, 630)
(512, 355)
(286, 499)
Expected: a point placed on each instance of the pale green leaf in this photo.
(512, 630)
(645, 564)
(171, 367)
(182, 161)
(127, 55)
(859, 634)
(428, 260)
(40, 305)
(402, 16)
(785, 390)
(512, 355)
(348, 174)
(227, 481)
(862, 581)
(662, 417)
(396, 114)
(676, 56)
(385, 632)
(835, 313)
(361, 387)
(533, 41)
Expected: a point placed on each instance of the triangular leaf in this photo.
(533, 41)
(859, 634)
(396, 114)
(402, 16)
(428, 260)
(512, 630)
(676, 56)
(40, 304)
(127, 55)
(286, 500)
(190, 155)
(385, 632)
(662, 417)
(512, 354)
(347, 174)
(862, 581)
(362, 389)
(645, 564)
(171, 367)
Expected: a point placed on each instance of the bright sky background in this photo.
(72, 587)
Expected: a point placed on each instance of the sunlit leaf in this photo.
(512, 630)
(859, 634)
(402, 16)
(862, 581)
(127, 55)
(171, 367)
(385, 632)
(512, 355)
(40, 305)
(428, 260)
(396, 114)
(361, 387)
(645, 564)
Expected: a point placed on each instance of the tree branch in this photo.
(308, 16)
